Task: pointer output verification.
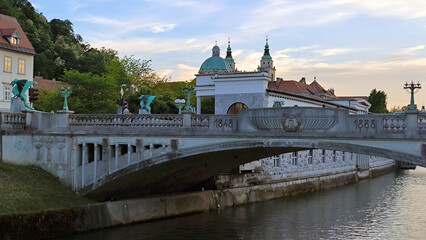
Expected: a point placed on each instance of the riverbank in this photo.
(29, 189)
(110, 214)
(30, 198)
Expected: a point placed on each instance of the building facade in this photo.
(235, 90)
(16, 58)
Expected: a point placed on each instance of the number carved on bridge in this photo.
(365, 123)
(223, 123)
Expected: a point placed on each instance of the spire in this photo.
(266, 63)
(228, 50)
(266, 51)
(229, 58)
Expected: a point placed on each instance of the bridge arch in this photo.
(183, 168)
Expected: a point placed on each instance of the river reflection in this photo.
(388, 207)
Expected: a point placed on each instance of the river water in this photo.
(392, 206)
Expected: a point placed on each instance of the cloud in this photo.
(185, 72)
(413, 49)
(278, 14)
(333, 51)
(185, 3)
(157, 28)
(165, 72)
(150, 45)
(237, 53)
(299, 49)
(409, 9)
(125, 26)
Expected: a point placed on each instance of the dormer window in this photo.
(12, 35)
(13, 40)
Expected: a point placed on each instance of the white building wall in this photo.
(8, 77)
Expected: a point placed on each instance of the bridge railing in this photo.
(12, 120)
(104, 120)
(333, 122)
(301, 121)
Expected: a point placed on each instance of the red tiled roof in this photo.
(7, 32)
(314, 89)
(48, 85)
(8, 26)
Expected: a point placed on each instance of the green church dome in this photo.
(215, 64)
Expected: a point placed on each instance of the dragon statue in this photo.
(146, 100)
(20, 87)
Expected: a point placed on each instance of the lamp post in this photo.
(412, 88)
(180, 103)
(65, 93)
(188, 92)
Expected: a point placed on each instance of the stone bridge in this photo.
(117, 156)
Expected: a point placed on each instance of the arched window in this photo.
(236, 107)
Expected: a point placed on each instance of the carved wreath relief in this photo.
(48, 143)
(291, 123)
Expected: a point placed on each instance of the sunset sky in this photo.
(350, 45)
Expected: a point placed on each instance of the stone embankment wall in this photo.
(301, 165)
(109, 214)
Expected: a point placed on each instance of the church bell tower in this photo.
(266, 63)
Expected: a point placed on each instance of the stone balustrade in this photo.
(301, 121)
(103, 120)
(13, 120)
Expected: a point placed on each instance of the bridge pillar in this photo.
(412, 122)
(95, 161)
(116, 156)
(186, 119)
(139, 149)
(106, 153)
(83, 162)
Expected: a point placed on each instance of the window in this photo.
(277, 162)
(311, 156)
(294, 157)
(7, 64)
(7, 91)
(21, 67)
(324, 156)
(13, 41)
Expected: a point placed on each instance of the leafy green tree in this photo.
(49, 101)
(377, 100)
(92, 93)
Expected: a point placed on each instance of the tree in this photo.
(377, 100)
(92, 93)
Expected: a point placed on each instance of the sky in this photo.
(352, 46)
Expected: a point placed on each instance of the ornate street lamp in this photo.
(188, 92)
(412, 88)
(180, 103)
(65, 93)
